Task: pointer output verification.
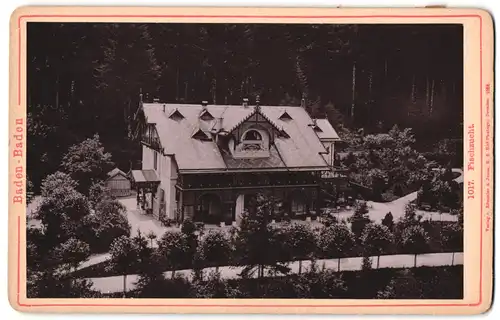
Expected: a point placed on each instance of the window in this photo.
(176, 115)
(205, 115)
(298, 205)
(155, 156)
(285, 116)
(162, 196)
(252, 135)
(252, 141)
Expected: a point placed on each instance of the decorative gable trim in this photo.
(257, 110)
(176, 115)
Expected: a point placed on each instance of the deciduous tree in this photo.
(336, 241)
(302, 243)
(174, 248)
(376, 240)
(87, 162)
(123, 260)
(215, 249)
(414, 240)
(453, 238)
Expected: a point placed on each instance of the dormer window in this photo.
(317, 129)
(200, 135)
(282, 134)
(176, 115)
(285, 116)
(206, 115)
(252, 141)
(252, 135)
(315, 126)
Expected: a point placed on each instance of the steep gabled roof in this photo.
(300, 151)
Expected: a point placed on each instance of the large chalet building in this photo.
(206, 162)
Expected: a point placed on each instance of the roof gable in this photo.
(257, 112)
(116, 172)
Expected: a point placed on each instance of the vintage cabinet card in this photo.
(251, 160)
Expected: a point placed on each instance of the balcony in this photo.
(247, 180)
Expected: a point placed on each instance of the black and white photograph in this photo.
(245, 160)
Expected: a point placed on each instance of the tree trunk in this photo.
(378, 261)
(124, 285)
(217, 269)
(151, 243)
(353, 88)
(370, 83)
(415, 260)
(338, 266)
(173, 273)
(300, 266)
(57, 92)
(452, 258)
(413, 90)
(432, 97)
(427, 94)
(177, 81)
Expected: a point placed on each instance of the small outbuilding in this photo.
(118, 183)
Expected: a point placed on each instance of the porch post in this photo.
(182, 205)
(308, 200)
(137, 197)
(233, 205)
(274, 202)
(195, 206)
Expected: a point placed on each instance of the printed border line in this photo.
(266, 17)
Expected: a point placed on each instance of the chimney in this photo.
(156, 100)
(218, 124)
(257, 100)
(303, 102)
(245, 102)
(204, 104)
(164, 108)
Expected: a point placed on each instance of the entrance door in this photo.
(210, 209)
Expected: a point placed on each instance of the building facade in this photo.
(208, 162)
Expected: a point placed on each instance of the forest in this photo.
(86, 78)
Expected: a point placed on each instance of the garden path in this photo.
(115, 283)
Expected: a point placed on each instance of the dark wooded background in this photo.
(85, 78)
